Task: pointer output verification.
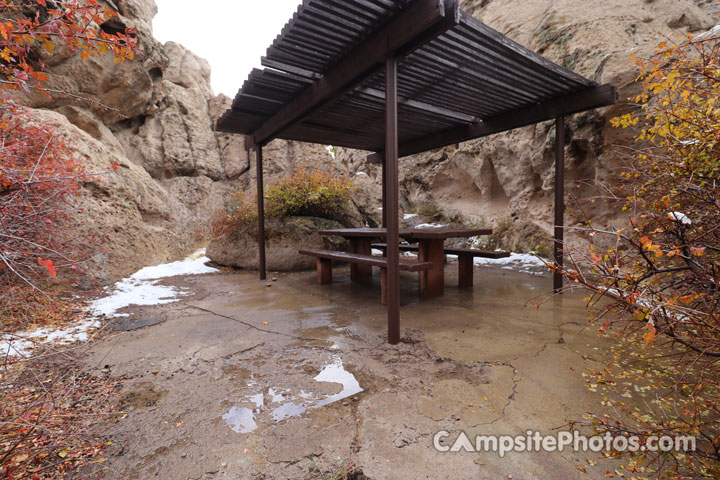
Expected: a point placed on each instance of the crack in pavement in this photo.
(223, 357)
(513, 392)
(247, 324)
(516, 371)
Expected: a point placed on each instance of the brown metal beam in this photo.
(284, 67)
(261, 213)
(559, 202)
(587, 99)
(425, 107)
(384, 197)
(391, 201)
(409, 29)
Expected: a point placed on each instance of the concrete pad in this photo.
(295, 380)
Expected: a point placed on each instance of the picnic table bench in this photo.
(326, 257)
(430, 252)
(465, 259)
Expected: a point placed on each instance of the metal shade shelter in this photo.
(399, 77)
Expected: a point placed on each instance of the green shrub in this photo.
(431, 211)
(310, 191)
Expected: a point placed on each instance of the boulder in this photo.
(283, 239)
(128, 219)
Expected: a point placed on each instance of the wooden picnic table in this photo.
(431, 248)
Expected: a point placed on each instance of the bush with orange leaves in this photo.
(657, 289)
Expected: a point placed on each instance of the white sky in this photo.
(230, 34)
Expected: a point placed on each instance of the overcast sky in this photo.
(230, 34)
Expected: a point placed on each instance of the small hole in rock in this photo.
(155, 73)
(113, 26)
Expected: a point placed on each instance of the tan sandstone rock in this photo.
(175, 172)
(283, 238)
(156, 122)
(507, 180)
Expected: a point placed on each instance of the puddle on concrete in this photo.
(257, 399)
(275, 395)
(336, 373)
(243, 419)
(287, 410)
(240, 419)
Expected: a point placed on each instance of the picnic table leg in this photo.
(324, 271)
(465, 271)
(432, 281)
(361, 246)
(383, 285)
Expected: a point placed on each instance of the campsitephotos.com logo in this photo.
(533, 441)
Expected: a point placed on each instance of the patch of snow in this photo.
(430, 225)
(331, 150)
(477, 241)
(522, 262)
(133, 292)
(21, 344)
(358, 174)
(408, 216)
(710, 33)
(680, 217)
(378, 252)
(141, 287)
(192, 265)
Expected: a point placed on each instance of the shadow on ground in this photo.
(294, 379)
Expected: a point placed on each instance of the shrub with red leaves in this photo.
(38, 177)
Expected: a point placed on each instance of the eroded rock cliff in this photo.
(507, 180)
(172, 171)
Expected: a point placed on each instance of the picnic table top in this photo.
(417, 233)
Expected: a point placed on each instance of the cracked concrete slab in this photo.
(295, 380)
(472, 404)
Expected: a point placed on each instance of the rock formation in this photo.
(239, 249)
(507, 180)
(173, 172)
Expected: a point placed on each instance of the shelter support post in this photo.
(559, 202)
(261, 213)
(384, 195)
(391, 201)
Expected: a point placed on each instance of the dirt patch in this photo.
(142, 395)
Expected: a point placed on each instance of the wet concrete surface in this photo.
(293, 380)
